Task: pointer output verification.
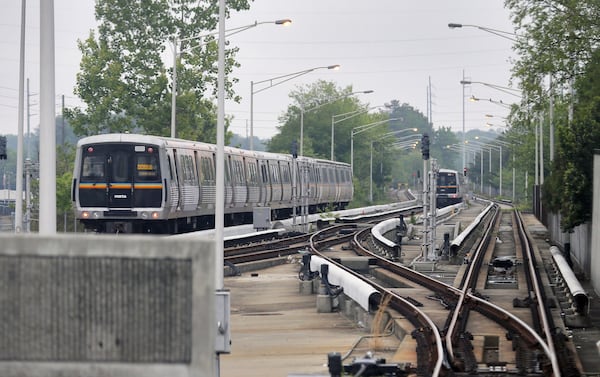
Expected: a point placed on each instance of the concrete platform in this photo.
(276, 331)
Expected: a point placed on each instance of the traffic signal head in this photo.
(425, 146)
(465, 172)
(294, 149)
(2, 147)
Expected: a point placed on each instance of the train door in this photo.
(253, 185)
(229, 184)
(265, 183)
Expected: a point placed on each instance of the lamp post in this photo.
(333, 122)
(275, 81)
(465, 82)
(303, 110)
(175, 42)
(371, 160)
(499, 148)
(359, 129)
(503, 34)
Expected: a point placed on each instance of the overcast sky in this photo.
(391, 47)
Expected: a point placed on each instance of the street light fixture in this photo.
(333, 121)
(303, 110)
(371, 160)
(360, 129)
(501, 33)
(175, 42)
(496, 102)
(275, 81)
(505, 89)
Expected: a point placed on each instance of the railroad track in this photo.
(446, 346)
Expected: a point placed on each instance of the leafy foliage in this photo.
(559, 39)
(124, 82)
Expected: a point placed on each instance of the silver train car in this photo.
(128, 183)
(448, 190)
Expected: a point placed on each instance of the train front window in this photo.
(120, 166)
(146, 168)
(446, 179)
(93, 168)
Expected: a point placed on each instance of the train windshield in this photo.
(446, 179)
(120, 176)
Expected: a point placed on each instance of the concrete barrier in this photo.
(78, 305)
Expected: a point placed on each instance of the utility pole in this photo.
(425, 154)
(432, 208)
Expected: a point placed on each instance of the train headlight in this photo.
(85, 215)
(155, 215)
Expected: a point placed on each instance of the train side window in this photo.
(285, 172)
(263, 173)
(252, 172)
(227, 170)
(274, 175)
(240, 172)
(170, 167)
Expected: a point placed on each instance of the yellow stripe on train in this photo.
(92, 185)
(145, 186)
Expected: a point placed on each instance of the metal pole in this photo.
(47, 217)
(371, 176)
(463, 123)
(490, 172)
(174, 90)
(425, 214)
(541, 150)
(301, 130)
(481, 170)
(332, 136)
(513, 176)
(294, 190)
(500, 146)
(352, 152)
(537, 162)
(19, 177)
(432, 209)
(252, 116)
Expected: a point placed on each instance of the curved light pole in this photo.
(371, 160)
(501, 33)
(303, 110)
(360, 129)
(333, 121)
(175, 42)
(495, 102)
(274, 81)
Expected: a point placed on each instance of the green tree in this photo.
(123, 80)
(570, 187)
(554, 37)
(559, 39)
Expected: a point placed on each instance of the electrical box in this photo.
(223, 307)
(261, 218)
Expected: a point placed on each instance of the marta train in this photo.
(447, 189)
(128, 183)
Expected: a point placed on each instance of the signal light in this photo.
(425, 146)
(3, 152)
(465, 172)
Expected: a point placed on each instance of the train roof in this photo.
(447, 171)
